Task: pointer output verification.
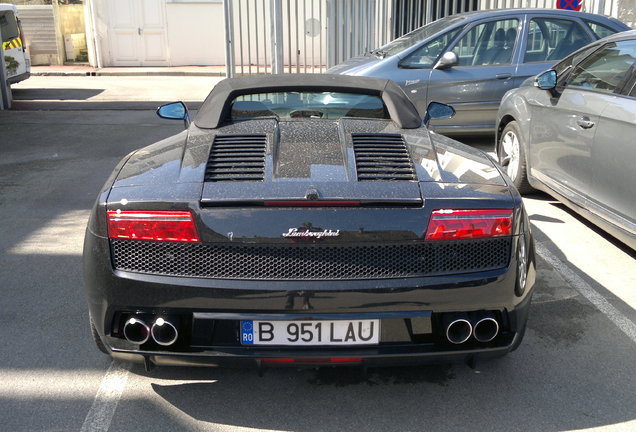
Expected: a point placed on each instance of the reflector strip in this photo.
(152, 225)
(346, 360)
(448, 224)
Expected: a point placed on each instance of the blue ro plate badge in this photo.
(308, 333)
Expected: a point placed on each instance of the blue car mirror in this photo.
(436, 110)
(174, 111)
(546, 80)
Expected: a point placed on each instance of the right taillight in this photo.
(450, 224)
(177, 226)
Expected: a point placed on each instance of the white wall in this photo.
(195, 33)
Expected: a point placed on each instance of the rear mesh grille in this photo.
(382, 157)
(237, 158)
(310, 262)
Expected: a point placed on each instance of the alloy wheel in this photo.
(510, 156)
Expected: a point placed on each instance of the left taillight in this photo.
(452, 224)
(176, 226)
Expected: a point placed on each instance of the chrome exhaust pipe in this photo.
(486, 327)
(458, 328)
(136, 331)
(164, 332)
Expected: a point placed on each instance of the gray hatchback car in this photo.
(470, 60)
(571, 133)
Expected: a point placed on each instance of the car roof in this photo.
(467, 18)
(216, 107)
(533, 11)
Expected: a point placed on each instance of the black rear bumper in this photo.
(388, 357)
(116, 295)
(423, 349)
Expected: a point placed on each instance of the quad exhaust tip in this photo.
(459, 327)
(136, 331)
(458, 330)
(485, 328)
(164, 332)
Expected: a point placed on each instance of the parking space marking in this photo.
(110, 390)
(621, 321)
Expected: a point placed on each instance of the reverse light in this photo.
(174, 226)
(447, 224)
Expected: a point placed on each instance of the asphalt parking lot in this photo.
(574, 371)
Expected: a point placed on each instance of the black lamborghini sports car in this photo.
(307, 220)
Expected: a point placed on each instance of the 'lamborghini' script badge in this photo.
(294, 232)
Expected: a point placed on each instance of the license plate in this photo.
(308, 333)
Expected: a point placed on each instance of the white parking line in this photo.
(622, 322)
(105, 403)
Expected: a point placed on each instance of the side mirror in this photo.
(174, 111)
(546, 80)
(436, 111)
(448, 60)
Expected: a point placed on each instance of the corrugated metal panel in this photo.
(318, 34)
(39, 29)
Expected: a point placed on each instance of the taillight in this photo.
(446, 224)
(174, 226)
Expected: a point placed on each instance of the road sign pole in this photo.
(277, 37)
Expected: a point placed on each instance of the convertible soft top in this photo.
(215, 108)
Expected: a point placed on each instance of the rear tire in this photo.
(512, 157)
(96, 338)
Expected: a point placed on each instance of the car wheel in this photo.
(96, 338)
(512, 157)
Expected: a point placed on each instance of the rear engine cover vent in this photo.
(382, 157)
(237, 158)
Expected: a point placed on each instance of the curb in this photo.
(117, 73)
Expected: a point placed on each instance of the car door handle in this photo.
(584, 122)
(503, 76)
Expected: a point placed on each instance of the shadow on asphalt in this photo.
(80, 100)
(68, 105)
(45, 94)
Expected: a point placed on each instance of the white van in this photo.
(16, 58)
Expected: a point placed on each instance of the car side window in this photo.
(566, 64)
(605, 69)
(426, 55)
(488, 43)
(553, 39)
(599, 30)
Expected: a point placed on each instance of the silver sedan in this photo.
(570, 132)
(470, 60)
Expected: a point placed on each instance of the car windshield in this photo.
(308, 105)
(418, 35)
